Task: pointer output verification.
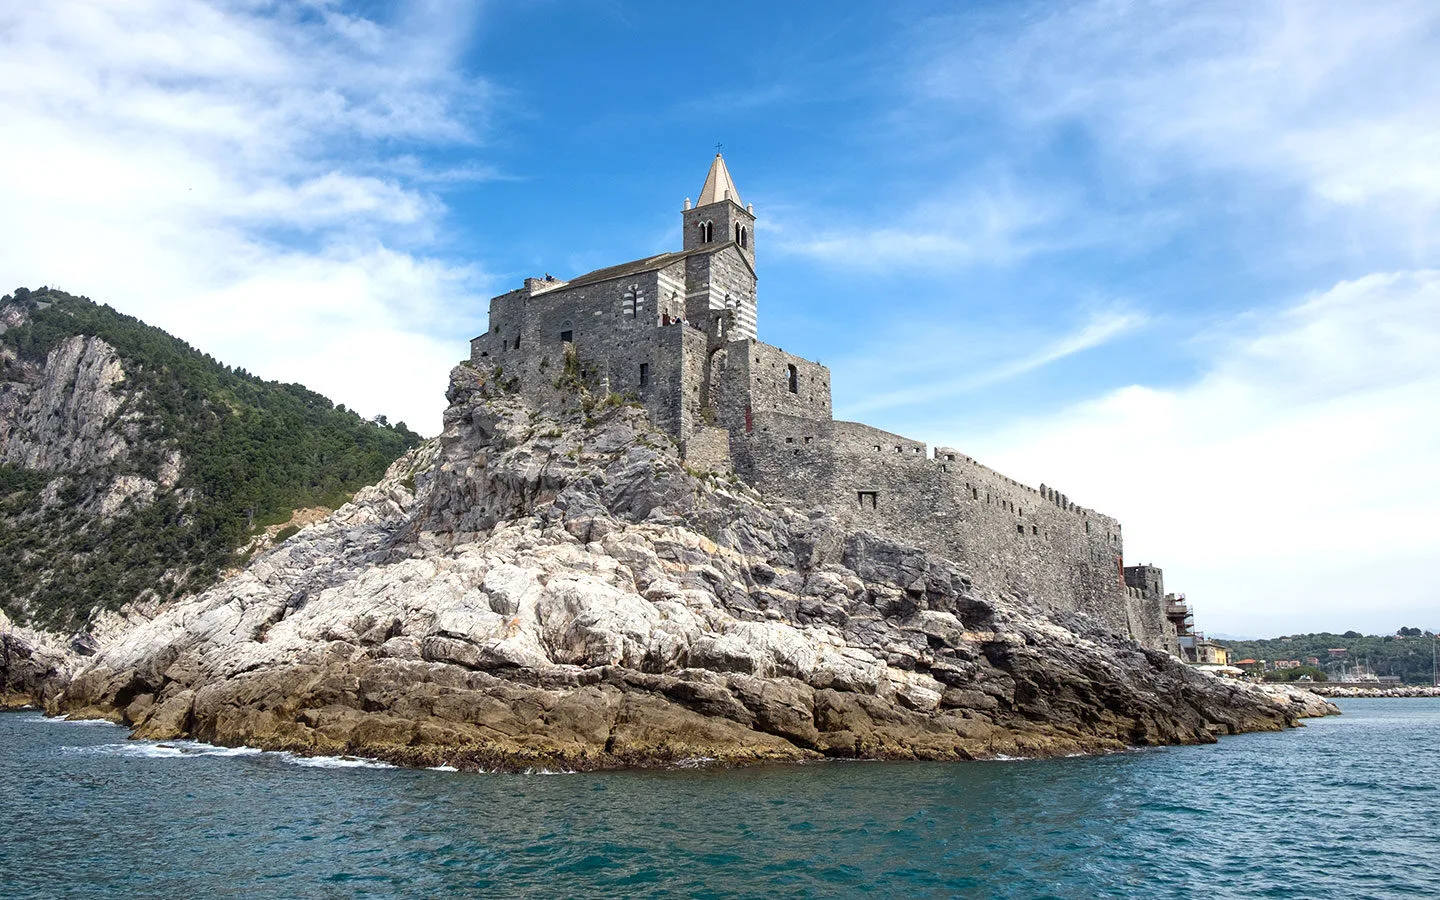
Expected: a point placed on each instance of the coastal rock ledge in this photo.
(557, 589)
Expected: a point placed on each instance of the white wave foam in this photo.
(443, 769)
(41, 717)
(199, 749)
(164, 750)
(338, 762)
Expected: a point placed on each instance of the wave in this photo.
(41, 717)
(443, 769)
(337, 762)
(164, 750)
(182, 749)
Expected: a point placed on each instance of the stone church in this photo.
(679, 331)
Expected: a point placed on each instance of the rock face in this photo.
(134, 468)
(64, 420)
(559, 590)
(33, 665)
(74, 415)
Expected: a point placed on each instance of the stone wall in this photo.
(716, 278)
(707, 449)
(1149, 580)
(1147, 622)
(724, 217)
(1012, 538)
(618, 330)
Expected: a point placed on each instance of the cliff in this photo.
(134, 468)
(559, 590)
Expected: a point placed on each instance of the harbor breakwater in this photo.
(1362, 690)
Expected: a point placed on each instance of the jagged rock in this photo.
(533, 589)
(34, 665)
(65, 420)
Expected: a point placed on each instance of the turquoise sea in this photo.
(1346, 807)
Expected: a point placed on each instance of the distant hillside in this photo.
(1407, 655)
(133, 465)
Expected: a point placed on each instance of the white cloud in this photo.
(993, 224)
(1294, 482)
(154, 149)
(1339, 99)
(1335, 102)
(945, 363)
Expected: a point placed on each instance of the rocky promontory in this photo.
(556, 588)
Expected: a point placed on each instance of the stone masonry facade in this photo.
(678, 332)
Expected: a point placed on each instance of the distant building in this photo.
(1337, 652)
(1200, 650)
(1287, 663)
(1210, 653)
(1312, 660)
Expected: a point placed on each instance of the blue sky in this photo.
(1178, 260)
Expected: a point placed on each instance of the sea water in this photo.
(1347, 807)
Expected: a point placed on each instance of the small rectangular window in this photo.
(644, 374)
(1019, 529)
(794, 378)
(567, 337)
(868, 499)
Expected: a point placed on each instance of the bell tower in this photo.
(719, 216)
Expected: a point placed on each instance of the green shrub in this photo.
(286, 533)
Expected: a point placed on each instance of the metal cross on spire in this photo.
(718, 145)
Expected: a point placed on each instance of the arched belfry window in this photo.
(707, 232)
(567, 332)
(743, 235)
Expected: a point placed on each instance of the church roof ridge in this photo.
(719, 185)
(648, 264)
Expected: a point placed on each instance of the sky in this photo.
(1180, 261)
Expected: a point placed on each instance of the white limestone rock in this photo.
(554, 591)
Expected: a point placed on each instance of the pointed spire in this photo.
(718, 185)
